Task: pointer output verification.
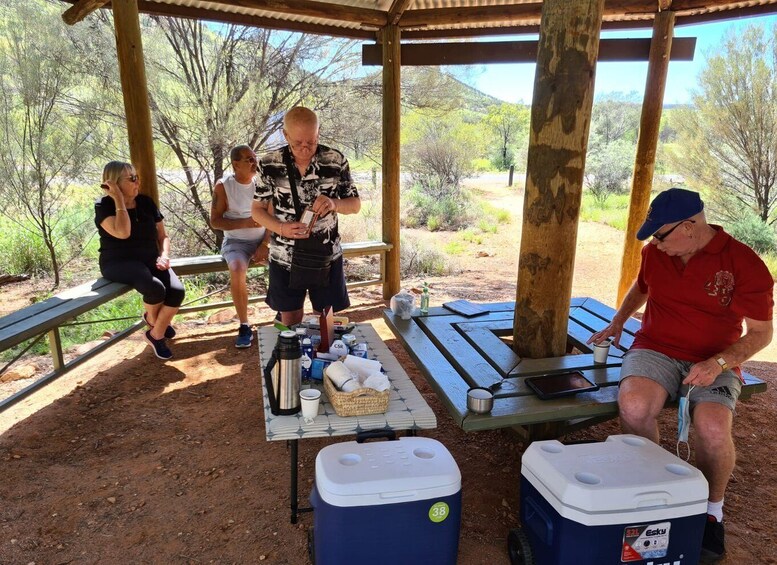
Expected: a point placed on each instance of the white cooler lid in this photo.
(625, 473)
(385, 472)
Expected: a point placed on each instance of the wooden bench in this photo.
(47, 316)
(455, 353)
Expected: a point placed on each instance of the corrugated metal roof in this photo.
(436, 18)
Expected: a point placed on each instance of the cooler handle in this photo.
(539, 522)
(390, 435)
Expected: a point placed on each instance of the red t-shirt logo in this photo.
(722, 287)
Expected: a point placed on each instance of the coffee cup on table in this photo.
(310, 398)
(601, 351)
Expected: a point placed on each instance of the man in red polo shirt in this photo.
(698, 286)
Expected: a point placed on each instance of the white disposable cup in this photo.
(309, 398)
(601, 350)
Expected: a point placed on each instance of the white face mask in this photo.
(684, 422)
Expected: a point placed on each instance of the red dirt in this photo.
(132, 460)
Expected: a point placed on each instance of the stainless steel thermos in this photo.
(283, 375)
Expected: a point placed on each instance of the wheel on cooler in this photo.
(518, 548)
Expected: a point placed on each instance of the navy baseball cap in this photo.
(673, 205)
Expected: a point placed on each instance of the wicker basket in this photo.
(357, 403)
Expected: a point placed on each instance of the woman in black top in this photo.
(135, 250)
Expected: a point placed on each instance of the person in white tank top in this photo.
(244, 239)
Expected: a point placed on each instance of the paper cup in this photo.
(601, 350)
(310, 398)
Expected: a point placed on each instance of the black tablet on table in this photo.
(561, 384)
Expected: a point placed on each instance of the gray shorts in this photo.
(239, 249)
(669, 373)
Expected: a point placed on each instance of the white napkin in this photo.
(362, 367)
(377, 381)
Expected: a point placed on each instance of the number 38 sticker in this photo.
(439, 512)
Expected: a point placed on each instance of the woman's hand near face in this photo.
(112, 189)
(117, 225)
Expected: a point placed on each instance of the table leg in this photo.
(293, 456)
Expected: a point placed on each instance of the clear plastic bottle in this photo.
(425, 300)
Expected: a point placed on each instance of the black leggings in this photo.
(156, 286)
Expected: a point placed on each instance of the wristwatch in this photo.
(722, 363)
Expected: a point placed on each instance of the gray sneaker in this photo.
(244, 336)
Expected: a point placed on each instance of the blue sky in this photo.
(514, 83)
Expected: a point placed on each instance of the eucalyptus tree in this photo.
(212, 87)
(510, 125)
(728, 140)
(611, 144)
(615, 116)
(50, 131)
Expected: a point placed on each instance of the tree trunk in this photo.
(49, 243)
(560, 119)
(645, 160)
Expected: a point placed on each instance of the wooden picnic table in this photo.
(455, 353)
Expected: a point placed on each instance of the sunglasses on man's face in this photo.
(247, 160)
(660, 237)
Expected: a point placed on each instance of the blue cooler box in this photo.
(388, 502)
(624, 500)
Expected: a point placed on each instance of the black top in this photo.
(142, 242)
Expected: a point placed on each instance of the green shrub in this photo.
(482, 165)
(417, 258)
(454, 247)
(486, 225)
(471, 236)
(449, 212)
(493, 215)
(22, 252)
(614, 211)
(751, 230)
(503, 216)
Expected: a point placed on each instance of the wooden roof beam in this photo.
(492, 52)
(81, 9)
(398, 7)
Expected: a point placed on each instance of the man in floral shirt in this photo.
(322, 181)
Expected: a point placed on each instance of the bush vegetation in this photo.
(417, 258)
(750, 229)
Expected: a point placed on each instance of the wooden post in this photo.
(645, 161)
(560, 119)
(389, 37)
(132, 70)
